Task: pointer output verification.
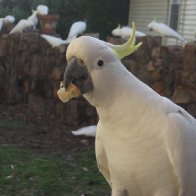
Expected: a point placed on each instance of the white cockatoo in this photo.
(87, 131)
(33, 18)
(164, 31)
(9, 19)
(42, 9)
(125, 32)
(54, 41)
(145, 143)
(32, 21)
(76, 28)
(22, 26)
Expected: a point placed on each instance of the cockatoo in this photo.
(42, 9)
(125, 32)
(22, 26)
(54, 41)
(32, 21)
(76, 28)
(164, 30)
(87, 131)
(145, 143)
(9, 19)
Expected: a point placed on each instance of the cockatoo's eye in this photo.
(100, 63)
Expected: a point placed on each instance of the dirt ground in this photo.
(28, 130)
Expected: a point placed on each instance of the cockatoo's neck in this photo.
(124, 93)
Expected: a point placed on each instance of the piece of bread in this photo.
(65, 95)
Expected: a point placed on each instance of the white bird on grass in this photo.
(164, 30)
(125, 32)
(87, 131)
(76, 28)
(145, 143)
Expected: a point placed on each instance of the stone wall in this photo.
(31, 70)
(169, 70)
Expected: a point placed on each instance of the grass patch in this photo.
(27, 173)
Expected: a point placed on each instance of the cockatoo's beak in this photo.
(77, 74)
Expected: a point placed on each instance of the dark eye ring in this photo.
(100, 63)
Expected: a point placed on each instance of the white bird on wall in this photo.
(31, 21)
(22, 26)
(9, 18)
(125, 32)
(87, 131)
(54, 41)
(76, 28)
(164, 30)
(42, 9)
(33, 18)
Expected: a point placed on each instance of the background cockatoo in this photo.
(22, 26)
(42, 9)
(76, 28)
(164, 31)
(9, 19)
(32, 21)
(56, 42)
(87, 131)
(145, 144)
(125, 32)
(33, 18)
(6, 19)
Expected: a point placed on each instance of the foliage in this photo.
(27, 173)
(101, 15)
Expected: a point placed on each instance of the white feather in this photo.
(54, 41)
(33, 18)
(42, 9)
(76, 28)
(125, 32)
(164, 30)
(87, 131)
(22, 26)
(9, 19)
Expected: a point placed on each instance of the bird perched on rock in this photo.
(56, 42)
(33, 18)
(9, 19)
(164, 30)
(22, 25)
(76, 29)
(6, 19)
(42, 9)
(125, 32)
(31, 21)
(145, 143)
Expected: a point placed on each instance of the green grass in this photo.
(27, 173)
